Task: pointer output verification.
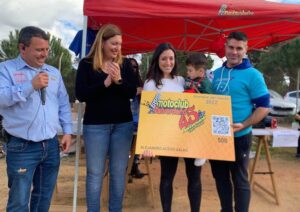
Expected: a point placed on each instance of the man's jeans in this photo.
(226, 173)
(31, 165)
(114, 141)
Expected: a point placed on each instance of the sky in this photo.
(62, 18)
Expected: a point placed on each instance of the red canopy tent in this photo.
(195, 25)
(190, 25)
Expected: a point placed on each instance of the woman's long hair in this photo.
(106, 32)
(136, 71)
(154, 72)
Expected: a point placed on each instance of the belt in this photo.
(7, 136)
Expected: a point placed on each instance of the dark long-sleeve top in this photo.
(105, 105)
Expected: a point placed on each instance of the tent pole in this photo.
(79, 118)
(59, 63)
(297, 94)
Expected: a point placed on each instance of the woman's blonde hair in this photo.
(106, 32)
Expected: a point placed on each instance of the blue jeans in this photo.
(227, 172)
(31, 164)
(102, 141)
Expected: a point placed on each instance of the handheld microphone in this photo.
(43, 95)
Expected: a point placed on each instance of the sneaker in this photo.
(199, 161)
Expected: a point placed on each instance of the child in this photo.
(197, 82)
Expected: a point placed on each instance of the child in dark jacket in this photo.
(197, 82)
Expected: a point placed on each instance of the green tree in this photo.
(9, 47)
(60, 58)
(279, 62)
(57, 53)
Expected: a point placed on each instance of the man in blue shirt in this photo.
(34, 105)
(246, 86)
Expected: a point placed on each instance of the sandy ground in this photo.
(138, 198)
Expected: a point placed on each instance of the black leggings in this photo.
(168, 169)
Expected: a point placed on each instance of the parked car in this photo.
(292, 97)
(280, 107)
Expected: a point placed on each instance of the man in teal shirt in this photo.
(246, 86)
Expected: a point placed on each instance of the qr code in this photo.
(221, 125)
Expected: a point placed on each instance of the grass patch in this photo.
(287, 153)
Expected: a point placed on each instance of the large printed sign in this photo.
(186, 125)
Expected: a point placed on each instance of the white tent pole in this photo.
(79, 118)
(297, 94)
(59, 62)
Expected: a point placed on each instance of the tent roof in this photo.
(194, 25)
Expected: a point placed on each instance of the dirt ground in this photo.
(138, 198)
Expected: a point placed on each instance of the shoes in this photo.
(199, 161)
(298, 155)
(135, 172)
(138, 175)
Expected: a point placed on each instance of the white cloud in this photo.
(61, 18)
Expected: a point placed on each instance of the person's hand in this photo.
(66, 143)
(139, 90)
(40, 80)
(107, 81)
(114, 71)
(237, 127)
(147, 153)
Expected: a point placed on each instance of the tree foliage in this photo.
(9, 47)
(58, 55)
(278, 63)
(9, 50)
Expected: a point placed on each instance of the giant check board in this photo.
(186, 125)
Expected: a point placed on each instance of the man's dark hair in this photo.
(197, 60)
(29, 32)
(240, 36)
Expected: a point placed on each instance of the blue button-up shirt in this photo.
(21, 107)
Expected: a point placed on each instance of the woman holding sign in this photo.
(162, 77)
